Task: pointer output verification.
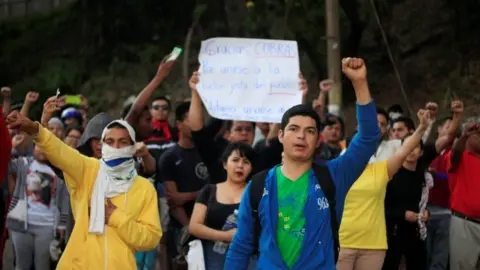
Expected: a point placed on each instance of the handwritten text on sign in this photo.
(249, 79)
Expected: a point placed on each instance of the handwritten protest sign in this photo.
(249, 79)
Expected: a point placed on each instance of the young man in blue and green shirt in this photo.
(294, 212)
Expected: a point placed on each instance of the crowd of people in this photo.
(140, 193)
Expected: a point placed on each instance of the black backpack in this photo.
(326, 183)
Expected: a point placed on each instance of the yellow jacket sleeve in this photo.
(65, 158)
(144, 232)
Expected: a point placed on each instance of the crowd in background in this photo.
(405, 194)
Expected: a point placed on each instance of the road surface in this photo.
(8, 256)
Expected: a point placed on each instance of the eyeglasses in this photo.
(160, 107)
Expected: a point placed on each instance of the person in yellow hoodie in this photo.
(115, 210)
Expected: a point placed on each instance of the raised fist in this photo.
(17, 121)
(141, 150)
(31, 97)
(457, 107)
(354, 69)
(423, 116)
(432, 107)
(6, 92)
(326, 85)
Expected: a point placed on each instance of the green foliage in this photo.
(109, 52)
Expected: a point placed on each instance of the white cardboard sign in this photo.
(249, 79)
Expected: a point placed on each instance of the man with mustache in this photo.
(115, 210)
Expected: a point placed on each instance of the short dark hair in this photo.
(332, 119)
(395, 108)
(164, 98)
(406, 120)
(243, 149)
(181, 111)
(229, 124)
(440, 122)
(443, 120)
(118, 125)
(70, 129)
(382, 111)
(301, 110)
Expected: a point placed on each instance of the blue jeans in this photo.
(216, 261)
(438, 243)
(146, 259)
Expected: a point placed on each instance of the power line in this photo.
(392, 60)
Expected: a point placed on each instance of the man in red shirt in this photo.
(5, 146)
(439, 203)
(5, 150)
(465, 199)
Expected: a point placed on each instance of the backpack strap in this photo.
(212, 193)
(257, 186)
(325, 181)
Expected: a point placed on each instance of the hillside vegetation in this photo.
(110, 51)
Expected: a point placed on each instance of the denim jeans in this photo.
(216, 261)
(146, 259)
(438, 243)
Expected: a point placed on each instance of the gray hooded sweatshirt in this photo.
(93, 130)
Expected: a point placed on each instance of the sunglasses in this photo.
(160, 107)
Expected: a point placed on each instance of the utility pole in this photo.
(333, 56)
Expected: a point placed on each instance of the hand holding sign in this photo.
(303, 85)
(194, 80)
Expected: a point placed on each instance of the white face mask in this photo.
(109, 153)
(115, 176)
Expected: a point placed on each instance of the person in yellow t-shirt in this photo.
(115, 210)
(363, 236)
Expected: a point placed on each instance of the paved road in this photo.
(8, 256)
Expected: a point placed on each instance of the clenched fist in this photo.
(423, 117)
(31, 97)
(432, 107)
(16, 121)
(326, 85)
(6, 92)
(354, 69)
(141, 150)
(457, 107)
